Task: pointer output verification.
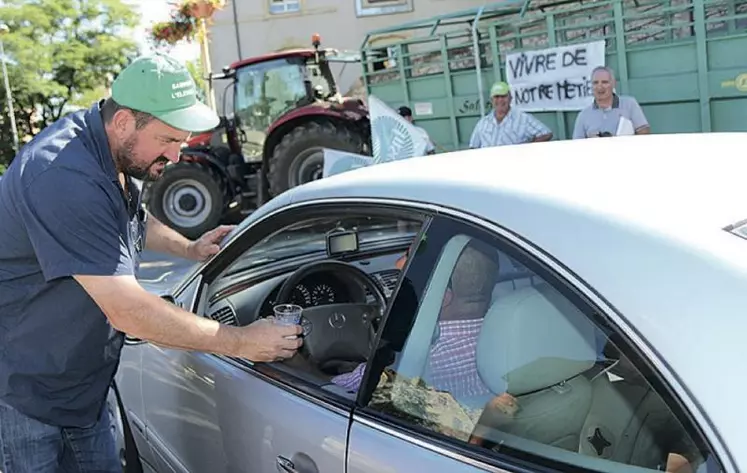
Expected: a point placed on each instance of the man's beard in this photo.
(126, 164)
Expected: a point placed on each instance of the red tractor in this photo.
(286, 110)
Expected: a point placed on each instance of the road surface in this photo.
(161, 272)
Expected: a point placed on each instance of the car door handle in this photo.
(285, 465)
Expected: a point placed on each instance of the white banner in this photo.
(393, 137)
(336, 161)
(555, 78)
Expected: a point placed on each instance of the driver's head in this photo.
(472, 281)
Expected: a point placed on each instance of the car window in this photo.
(309, 236)
(490, 354)
(246, 283)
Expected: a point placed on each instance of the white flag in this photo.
(336, 161)
(393, 137)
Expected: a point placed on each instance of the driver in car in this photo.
(452, 362)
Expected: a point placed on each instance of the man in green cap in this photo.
(505, 125)
(70, 241)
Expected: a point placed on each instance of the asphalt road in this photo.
(160, 272)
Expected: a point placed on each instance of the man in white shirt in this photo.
(602, 118)
(505, 125)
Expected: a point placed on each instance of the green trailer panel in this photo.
(685, 61)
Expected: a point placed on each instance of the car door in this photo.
(215, 413)
(172, 397)
(500, 364)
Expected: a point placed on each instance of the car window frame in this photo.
(249, 237)
(631, 343)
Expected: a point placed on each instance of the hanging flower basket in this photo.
(184, 18)
(200, 9)
(171, 32)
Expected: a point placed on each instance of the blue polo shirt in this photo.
(62, 213)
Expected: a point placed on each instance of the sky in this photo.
(158, 10)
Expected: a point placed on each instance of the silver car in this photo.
(566, 306)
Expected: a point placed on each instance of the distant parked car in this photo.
(564, 306)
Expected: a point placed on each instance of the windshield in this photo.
(309, 236)
(267, 90)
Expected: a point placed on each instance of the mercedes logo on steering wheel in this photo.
(337, 320)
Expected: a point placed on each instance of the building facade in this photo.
(246, 28)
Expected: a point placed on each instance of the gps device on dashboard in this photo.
(342, 242)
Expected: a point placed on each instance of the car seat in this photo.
(629, 423)
(536, 346)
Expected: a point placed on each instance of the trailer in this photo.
(685, 61)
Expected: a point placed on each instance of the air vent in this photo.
(387, 280)
(225, 315)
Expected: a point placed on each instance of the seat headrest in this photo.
(532, 339)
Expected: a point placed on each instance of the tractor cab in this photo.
(270, 87)
(286, 110)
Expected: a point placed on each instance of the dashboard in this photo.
(317, 289)
(243, 300)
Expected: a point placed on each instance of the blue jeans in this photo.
(32, 446)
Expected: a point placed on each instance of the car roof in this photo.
(685, 179)
(640, 219)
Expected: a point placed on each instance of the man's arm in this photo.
(161, 238)
(133, 310)
(578, 128)
(640, 122)
(474, 140)
(545, 137)
(537, 130)
(77, 234)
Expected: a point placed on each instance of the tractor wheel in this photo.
(299, 157)
(189, 198)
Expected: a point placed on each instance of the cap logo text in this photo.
(182, 89)
(181, 85)
(182, 93)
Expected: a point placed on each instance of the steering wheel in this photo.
(336, 332)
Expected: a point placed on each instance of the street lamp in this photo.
(3, 31)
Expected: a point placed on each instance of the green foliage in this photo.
(195, 69)
(62, 55)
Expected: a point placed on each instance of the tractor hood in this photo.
(348, 108)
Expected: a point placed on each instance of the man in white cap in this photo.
(505, 125)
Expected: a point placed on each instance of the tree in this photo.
(62, 55)
(195, 70)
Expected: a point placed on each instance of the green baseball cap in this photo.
(499, 88)
(163, 87)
